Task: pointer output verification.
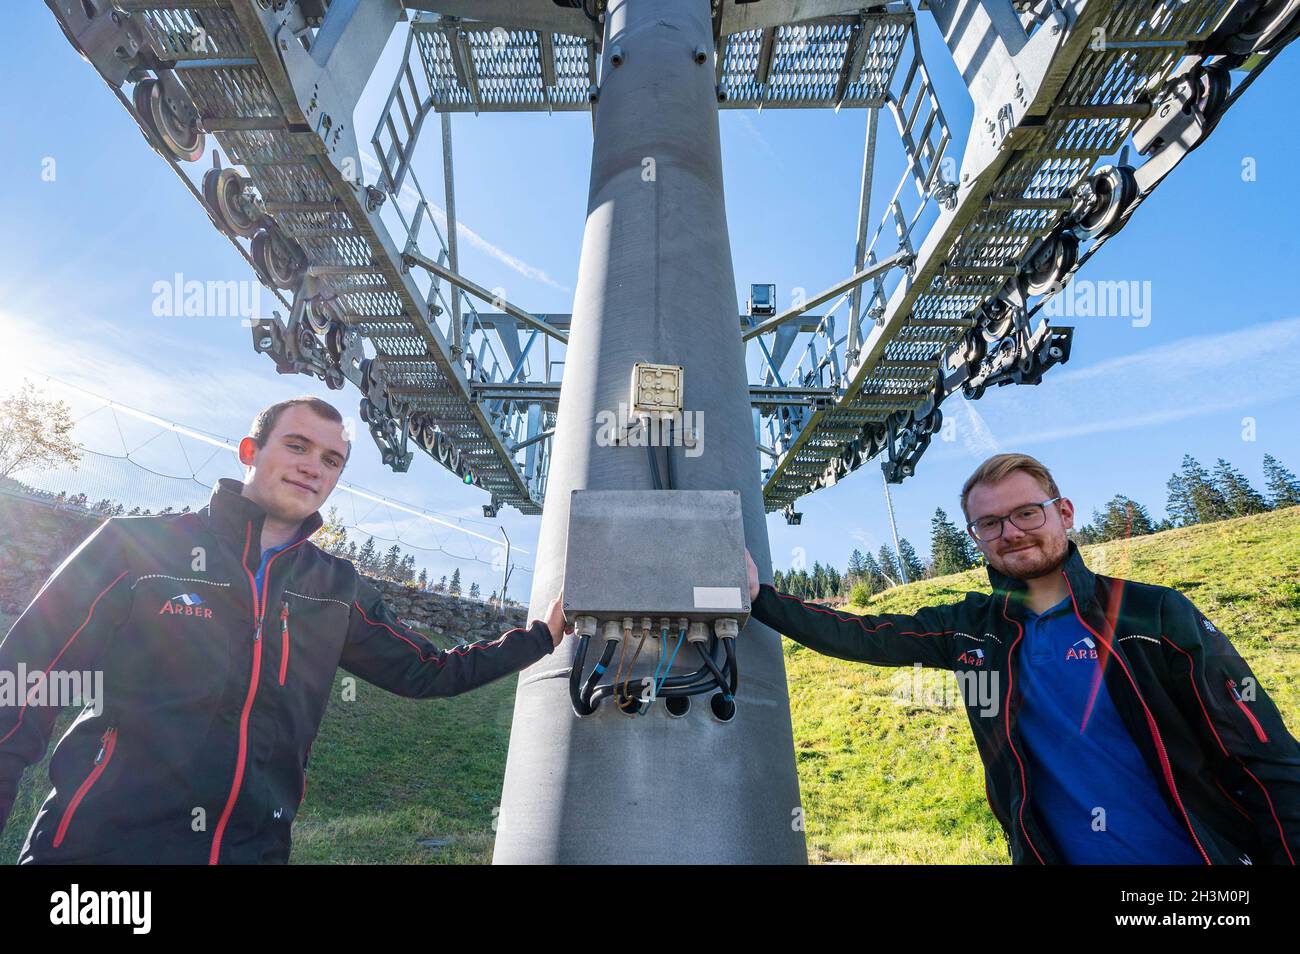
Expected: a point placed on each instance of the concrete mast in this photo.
(655, 284)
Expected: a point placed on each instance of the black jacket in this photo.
(213, 689)
(1225, 763)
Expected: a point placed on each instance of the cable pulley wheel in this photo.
(322, 314)
(1052, 263)
(1113, 190)
(996, 321)
(278, 262)
(336, 340)
(1266, 26)
(177, 135)
(226, 193)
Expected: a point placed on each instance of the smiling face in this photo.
(1022, 554)
(296, 471)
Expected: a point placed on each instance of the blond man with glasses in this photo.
(1126, 729)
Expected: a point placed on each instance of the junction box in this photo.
(678, 554)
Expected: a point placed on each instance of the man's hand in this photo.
(752, 572)
(555, 619)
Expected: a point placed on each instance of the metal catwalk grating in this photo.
(831, 61)
(1049, 167)
(845, 61)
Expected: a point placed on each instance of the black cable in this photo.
(598, 671)
(654, 462)
(677, 686)
(713, 668)
(575, 678)
(675, 692)
(732, 668)
(668, 457)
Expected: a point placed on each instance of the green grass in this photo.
(887, 783)
(882, 782)
(387, 773)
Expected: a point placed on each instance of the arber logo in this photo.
(1083, 649)
(972, 657)
(186, 604)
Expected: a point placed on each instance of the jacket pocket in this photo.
(101, 763)
(1245, 710)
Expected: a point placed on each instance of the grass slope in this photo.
(886, 783)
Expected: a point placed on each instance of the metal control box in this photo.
(656, 553)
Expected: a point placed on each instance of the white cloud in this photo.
(976, 437)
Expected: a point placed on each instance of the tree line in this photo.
(1196, 495)
(392, 564)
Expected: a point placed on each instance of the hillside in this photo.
(888, 783)
(882, 782)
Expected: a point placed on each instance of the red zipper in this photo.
(244, 714)
(1241, 704)
(284, 640)
(1151, 723)
(101, 762)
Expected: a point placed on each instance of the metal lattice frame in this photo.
(276, 84)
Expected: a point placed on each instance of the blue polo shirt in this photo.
(270, 552)
(1078, 767)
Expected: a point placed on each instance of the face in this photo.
(296, 471)
(1022, 554)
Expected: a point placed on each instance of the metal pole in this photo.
(860, 251)
(453, 259)
(655, 283)
(505, 570)
(889, 505)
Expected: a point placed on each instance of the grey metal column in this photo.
(655, 283)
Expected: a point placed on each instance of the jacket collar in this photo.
(1082, 581)
(231, 512)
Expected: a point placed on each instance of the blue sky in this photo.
(80, 255)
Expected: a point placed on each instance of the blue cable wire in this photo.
(663, 641)
(681, 637)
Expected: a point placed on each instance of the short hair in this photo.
(264, 424)
(1000, 466)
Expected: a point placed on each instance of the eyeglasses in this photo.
(1028, 517)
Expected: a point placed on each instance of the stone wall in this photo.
(36, 538)
(448, 616)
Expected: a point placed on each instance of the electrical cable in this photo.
(717, 673)
(668, 457)
(654, 465)
(681, 638)
(732, 668)
(575, 678)
(645, 634)
(598, 671)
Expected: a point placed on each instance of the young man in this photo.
(218, 634)
(1126, 728)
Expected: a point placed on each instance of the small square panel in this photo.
(656, 387)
